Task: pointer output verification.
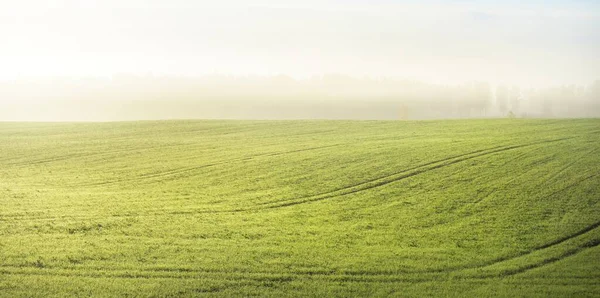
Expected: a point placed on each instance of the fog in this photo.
(129, 97)
(70, 60)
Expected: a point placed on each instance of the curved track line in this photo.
(384, 276)
(189, 273)
(521, 254)
(366, 185)
(568, 253)
(193, 168)
(381, 181)
(491, 192)
(79, 155)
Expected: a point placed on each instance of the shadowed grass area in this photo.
(300, 208)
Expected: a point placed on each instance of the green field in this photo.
(471, 208)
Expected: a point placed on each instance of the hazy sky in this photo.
(532, 43)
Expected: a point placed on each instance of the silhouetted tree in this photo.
(502, 99)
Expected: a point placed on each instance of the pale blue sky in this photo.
(531, 43)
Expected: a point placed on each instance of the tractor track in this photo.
(363, 186)
(404, 174)
(194, 168)
(281, 276)
(532, 250)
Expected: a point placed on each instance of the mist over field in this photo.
(129, 60)
(129, 97)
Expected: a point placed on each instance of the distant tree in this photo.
(514, 98)
(502, 99)
(483, 92)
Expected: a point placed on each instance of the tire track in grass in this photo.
(194, 168)
(333, 275)
(533, 250)
(44, 160)
(489, 193)
(210, 273)
(79, 155)
(570, 186)
(384, 180)
(279, 276)
(564, 255)
(149, 212)
(568, 237)
(369, 184)
(228, 274)
(570, 164)
(246, 276)
(86, 154)
(373, 183)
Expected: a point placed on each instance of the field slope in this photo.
(471, 208)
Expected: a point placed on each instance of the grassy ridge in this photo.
(457, 208)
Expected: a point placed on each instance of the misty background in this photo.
(70, 60)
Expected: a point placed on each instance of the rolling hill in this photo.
(475, 208)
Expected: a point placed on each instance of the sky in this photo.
(529, 43)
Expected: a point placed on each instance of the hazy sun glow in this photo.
(531, 43)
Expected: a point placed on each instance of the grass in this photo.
(300, 208)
